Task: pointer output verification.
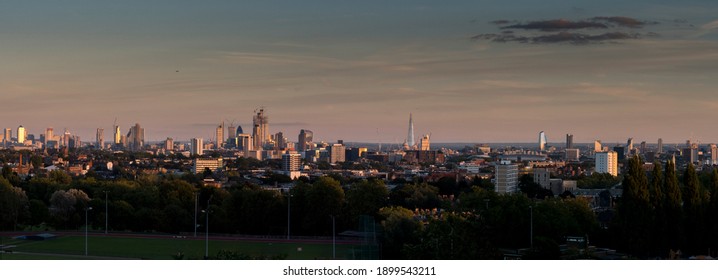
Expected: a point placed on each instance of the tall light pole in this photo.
(87, 209)
(531, 231)
(206, 234)
(289, 213)
(196, 198)
(334, 239)
(106, 215)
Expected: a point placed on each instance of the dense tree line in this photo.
(666, 214)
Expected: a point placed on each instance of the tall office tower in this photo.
(8, 135)
(219, 136)
(280, 140)
(410, 135)
(291, 161)
(690, 154)
(244, 142)
(607, 162)
(629, 145)
(643, 147)
(597, 147)
(542, 141)
(337, 153)
(305, 138)
(100, 138)
(425, 144)
(49, 134)
(239, 130)
(506, 177)
(21, 134)
(569, 141)
(231, 132)
(74, 142)
(660, 145)
(66, 138)
(714, 154)
(260, 132)
(197, 146)
(136, 138)
(169, 144)
(118, 135)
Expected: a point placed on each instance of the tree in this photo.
(316, 203)
(672, 231)
(400, 228)
(39, 213)
(60, 177)
(366, 198)
(66, 205)
(693, 207)
(657, 198)
(713, 209)
(416, 195)
(634, 210)
(37, 162)
(453, 236)
(13, 204)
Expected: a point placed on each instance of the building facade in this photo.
(199, 165)
(306, 137)
(100, 138)
(607, 162)
(260, 132)
(196, 147)
(506, 177)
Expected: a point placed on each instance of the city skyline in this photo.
(355, 71)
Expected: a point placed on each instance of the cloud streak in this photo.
(575, 32)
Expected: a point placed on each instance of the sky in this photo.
(468, 71)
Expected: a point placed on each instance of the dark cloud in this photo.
(557, 25)
(622, 21)
(561, 37)
(580, 39)
(501, 22)
(575, 32)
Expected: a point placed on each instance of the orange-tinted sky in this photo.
(354, 70)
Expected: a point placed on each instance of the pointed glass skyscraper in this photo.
(542, 141)
(410, 136)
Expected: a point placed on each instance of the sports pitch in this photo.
(71, 247)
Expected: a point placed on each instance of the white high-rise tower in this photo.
(542, 141)
(410, 136)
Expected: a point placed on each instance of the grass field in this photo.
(103, 247)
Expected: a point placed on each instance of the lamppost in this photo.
(206, 227)
(206, 235)
(334, 238)
(531, 232)
(106, 215)
(289, 214)
(87, 209)
(196, 197)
